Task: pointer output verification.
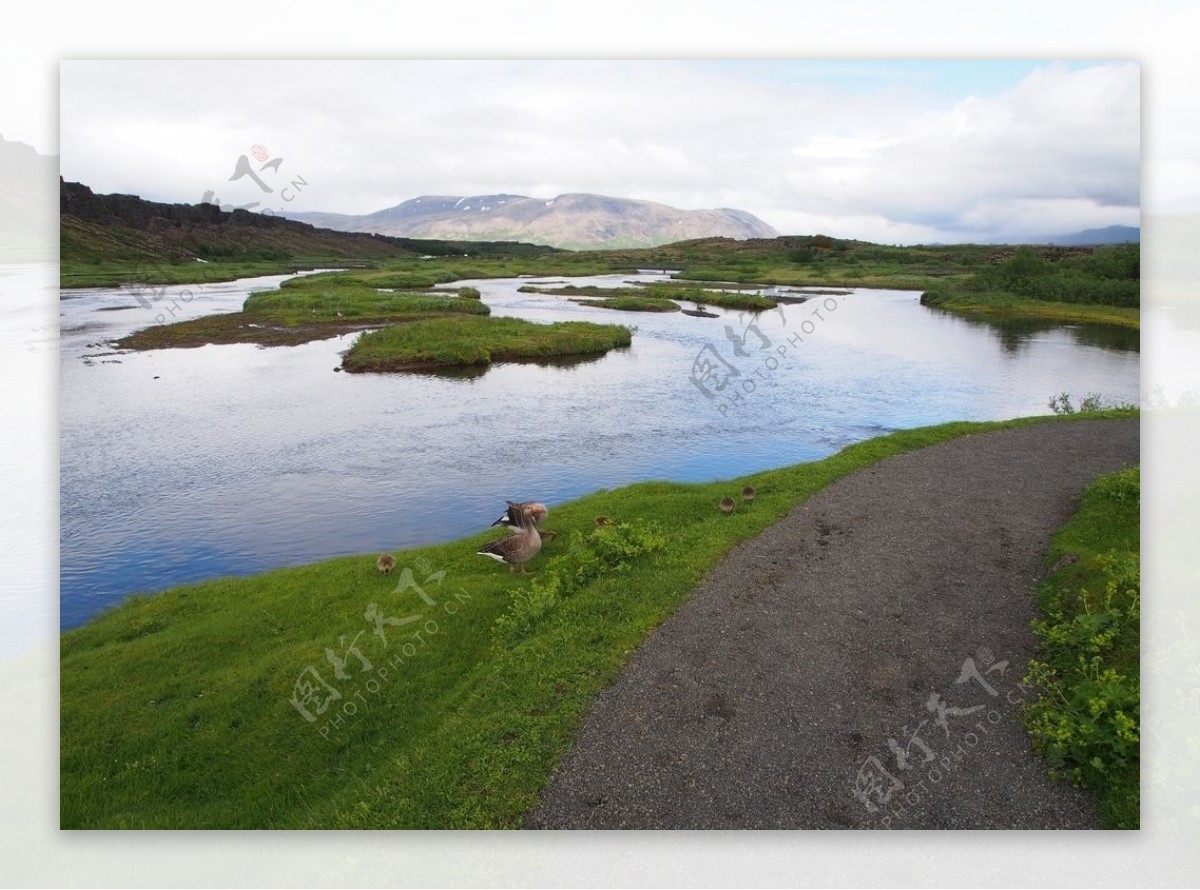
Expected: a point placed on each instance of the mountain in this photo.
(28, 181)
(1090, 237)
(125, 228)
(573, 221)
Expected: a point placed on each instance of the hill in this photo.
(99, 232)
(572, 221)
(1091, 237)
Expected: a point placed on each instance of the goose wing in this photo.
(512, 516)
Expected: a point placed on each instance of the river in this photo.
(186, 464)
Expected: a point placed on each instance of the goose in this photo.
(512, 516)
(519, 547)
(726, 505)
(385, 563)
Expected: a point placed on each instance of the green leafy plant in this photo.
(607, 550)
(1092, 402)
(1085, 719)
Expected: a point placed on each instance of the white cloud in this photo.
(1059, 150)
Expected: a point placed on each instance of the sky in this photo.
(887, 151)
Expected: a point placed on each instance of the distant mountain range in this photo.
(28, 183)
(1090, 237)
(572, 221)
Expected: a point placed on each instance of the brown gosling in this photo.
(385, 563)
(748, 493)
(519, 547)
(727, 505)
(602, 521)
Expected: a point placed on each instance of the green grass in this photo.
(648, 297)
(142, 276)
(446, 342)
(1086, 719)
(633, 304)
(316, 300)
(998, 304)
(751, 302)
(175, 707)
(308, 308)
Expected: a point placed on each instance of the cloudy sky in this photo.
(895, 152)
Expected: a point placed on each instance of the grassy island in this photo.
(444, 342)
(631, 304)
(648, 297)
(309, 308)
(414, 328)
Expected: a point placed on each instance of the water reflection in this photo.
(1015, 334)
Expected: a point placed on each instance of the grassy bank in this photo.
(998, 304)
(138, 277)
(1102, 285)
(176, 708)
(477, 261)
(1086, 721)
(446, 342)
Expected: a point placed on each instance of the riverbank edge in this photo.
(1005, 307)
(487, 713)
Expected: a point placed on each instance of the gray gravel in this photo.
(771, 695)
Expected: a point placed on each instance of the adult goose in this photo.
(512, 516)
(519, 547)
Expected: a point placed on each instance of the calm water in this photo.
(186, 464)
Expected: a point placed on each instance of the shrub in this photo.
(1061, 404)
(1085, 722)
(603, 551)
(1086, 716)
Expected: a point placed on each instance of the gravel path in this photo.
(810, 682)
